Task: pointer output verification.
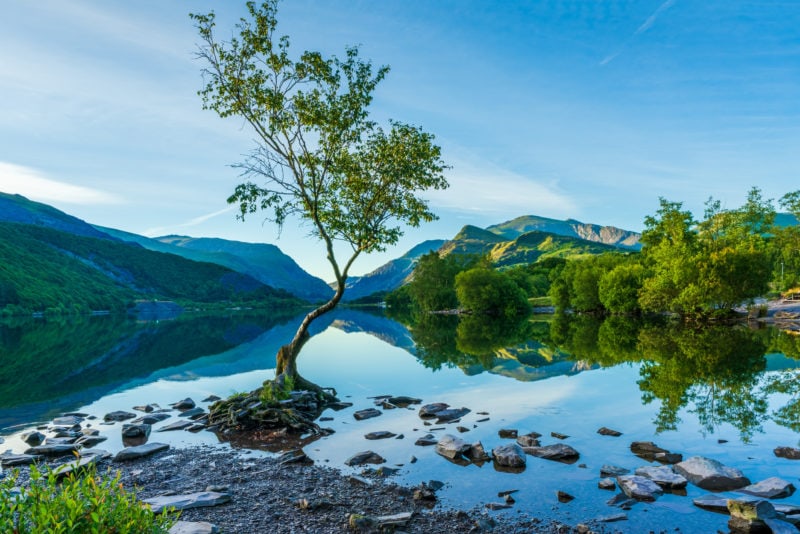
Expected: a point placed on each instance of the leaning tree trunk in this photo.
(286, 359)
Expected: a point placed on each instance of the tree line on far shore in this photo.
(694, 268)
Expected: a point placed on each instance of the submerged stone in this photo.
(710, 474)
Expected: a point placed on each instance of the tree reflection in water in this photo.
(716, 372)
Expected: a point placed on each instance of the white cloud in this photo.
(486, 189)
(34, 184)
(163, 230)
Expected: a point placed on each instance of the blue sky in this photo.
(567, 109)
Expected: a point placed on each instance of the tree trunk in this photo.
(286, 359)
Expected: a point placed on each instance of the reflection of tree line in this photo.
(716, 372)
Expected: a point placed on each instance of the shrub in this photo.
(84, 502)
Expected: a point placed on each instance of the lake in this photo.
(729, 393)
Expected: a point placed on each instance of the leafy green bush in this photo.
(85, 503)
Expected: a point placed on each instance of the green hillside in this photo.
(42, 269)
(607, 235)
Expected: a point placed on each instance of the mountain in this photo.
(390, 275)
(18, 209)
(266, 263)
(607, 235)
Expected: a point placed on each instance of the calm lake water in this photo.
(729, 393)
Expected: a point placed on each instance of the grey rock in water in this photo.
(33, 438)
(790, 453)
(663, 476)
(477, 453)
(11, 460)
(366, 414)
(402, 401)
(186, 501)
(151, 419)
(135, 430)
(426, 441)
(56, 449)
(770, 488)
(90, 441)
(747, 516)
(451, 414)
(193, 527)
(212, 398)
(668, 457)
(507, 433)
(185, 404)
(118, 415)
(639, 488)
(67, 420)
(147, 408)
(559, 452)
(193, 413)
(613, 471)
(603, 431)
(381, 434)
(710, 474)
(452, 447)
(430, 410)
(366, 457)
(528, 440)
(606, 484)
(131, 453)
(177, 425)
(510, 455)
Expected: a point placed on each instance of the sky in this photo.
(589, 110)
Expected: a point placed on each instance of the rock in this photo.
(339, 405)
(402, 401)
(668, 457)
(67, 420)
(507, 433)
(710, 474)
(33, 438)
(770, 488)
(510, 455)
(186, 501)
(294, 456)
(90, 441)
(185, 404)
(177, 425)
(608, 432)
(193, 413)
(612, 518)
(74, 466)
(135, 430)
(639, 488)
(477, 453)
(564, 497)
(211, 398)
(663, 476)
(11, 460)
(118, 416)
(444, 416)
(607, 484)
(132, 453)
(382, 434)
(613, 471)
(430, 410)
(559, 452)
(790, 453)
(147, 408)
(452, 447)
(366, 414)
(426, 440)
(366, 457)
(193, 527)
(462, 429)
(558, 435)
(528, 441)
(424, 493)
(152, 418)
(385, 472)
(497, 506)
(394, 520)
(747, 516)
(778, 526)
(56, 449)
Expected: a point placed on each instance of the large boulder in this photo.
(510, 455)
(710, 474)
(639, 488)
(452, 447)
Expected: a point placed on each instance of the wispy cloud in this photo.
(196, 221)
(482, 188)
(643, 27)
(34, 184)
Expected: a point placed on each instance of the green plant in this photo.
(84, 502)
(273, 392)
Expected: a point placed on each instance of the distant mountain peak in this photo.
(608, 235)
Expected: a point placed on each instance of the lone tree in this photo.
(318, 156)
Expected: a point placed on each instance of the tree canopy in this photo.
(318, 157)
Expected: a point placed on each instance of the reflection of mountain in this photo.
(531, 361)
(375, 324)
(53, 366)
